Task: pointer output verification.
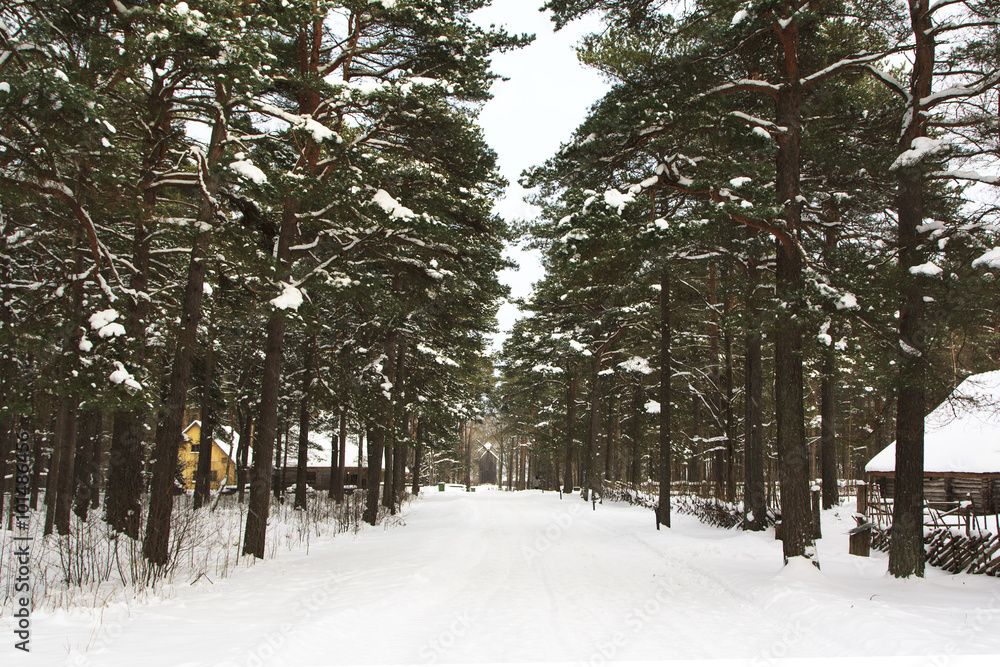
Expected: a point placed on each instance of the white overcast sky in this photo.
(547, 95)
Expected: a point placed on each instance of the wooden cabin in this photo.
(488, 464)
(320, 477)
(961, 449)
(223, 470)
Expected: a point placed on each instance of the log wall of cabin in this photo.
(982, 490)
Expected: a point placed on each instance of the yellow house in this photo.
(223, 469)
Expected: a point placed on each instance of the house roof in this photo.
(487, 448)
(962, 435)
(230, 433)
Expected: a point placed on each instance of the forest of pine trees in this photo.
(767, 249)
(272, 215)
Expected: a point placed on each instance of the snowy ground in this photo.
(492, 577)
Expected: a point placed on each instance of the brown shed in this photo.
(961, 449)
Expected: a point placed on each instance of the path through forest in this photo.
(529, 577)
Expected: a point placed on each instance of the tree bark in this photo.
(591, 483)
(342, 456)
(302, 462)
(635, 435)
(389, 449)
(125, 469)
(754, 494)
(164, 461)
(376, 441)
(247, 436)
(395, 453)
(52, 474)
(730, 416)
(715, 397)
(122, 506)
(666, 375)
(88, 461)
(906, 545)
(571, 388)
(828, 428)
(468, 458)
(65, 490)
(202, 483)
(793, 452)
(694, 462)
(377, 433)
(302, 458)
(336, 446)
(418, 456)
(263, 456)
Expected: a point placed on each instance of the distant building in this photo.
(223, 469)
(320, 477)
(961, 449)
(488, 464)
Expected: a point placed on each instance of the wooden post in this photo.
(860, 542)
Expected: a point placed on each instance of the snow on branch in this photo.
(759, 122)
(743, 86)
(921, 148)
(958, 92)
(854, 62)
(437, 356)
(966, 176)
(894, 84)
(990, 260)
(391, 206)
(319, 132)
(289, 299)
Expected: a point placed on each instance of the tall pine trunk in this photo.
(571, 388)
(70, 403)
(635, 435)
(302, 461)
(377, 433)
(793, 452)
(259, 506)
(666, 375)
(202, 483)
(168, 434)
(906, 546)
(754, 495)
(715, 397)
(122, 501)
(418, 456)
(338, 485)
(828, 428)
(591, 481)
(88, 461)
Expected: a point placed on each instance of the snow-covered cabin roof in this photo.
(962, 435)
(223, 445)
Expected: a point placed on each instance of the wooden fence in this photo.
(953, 551)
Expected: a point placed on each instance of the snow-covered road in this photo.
(529, 577)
